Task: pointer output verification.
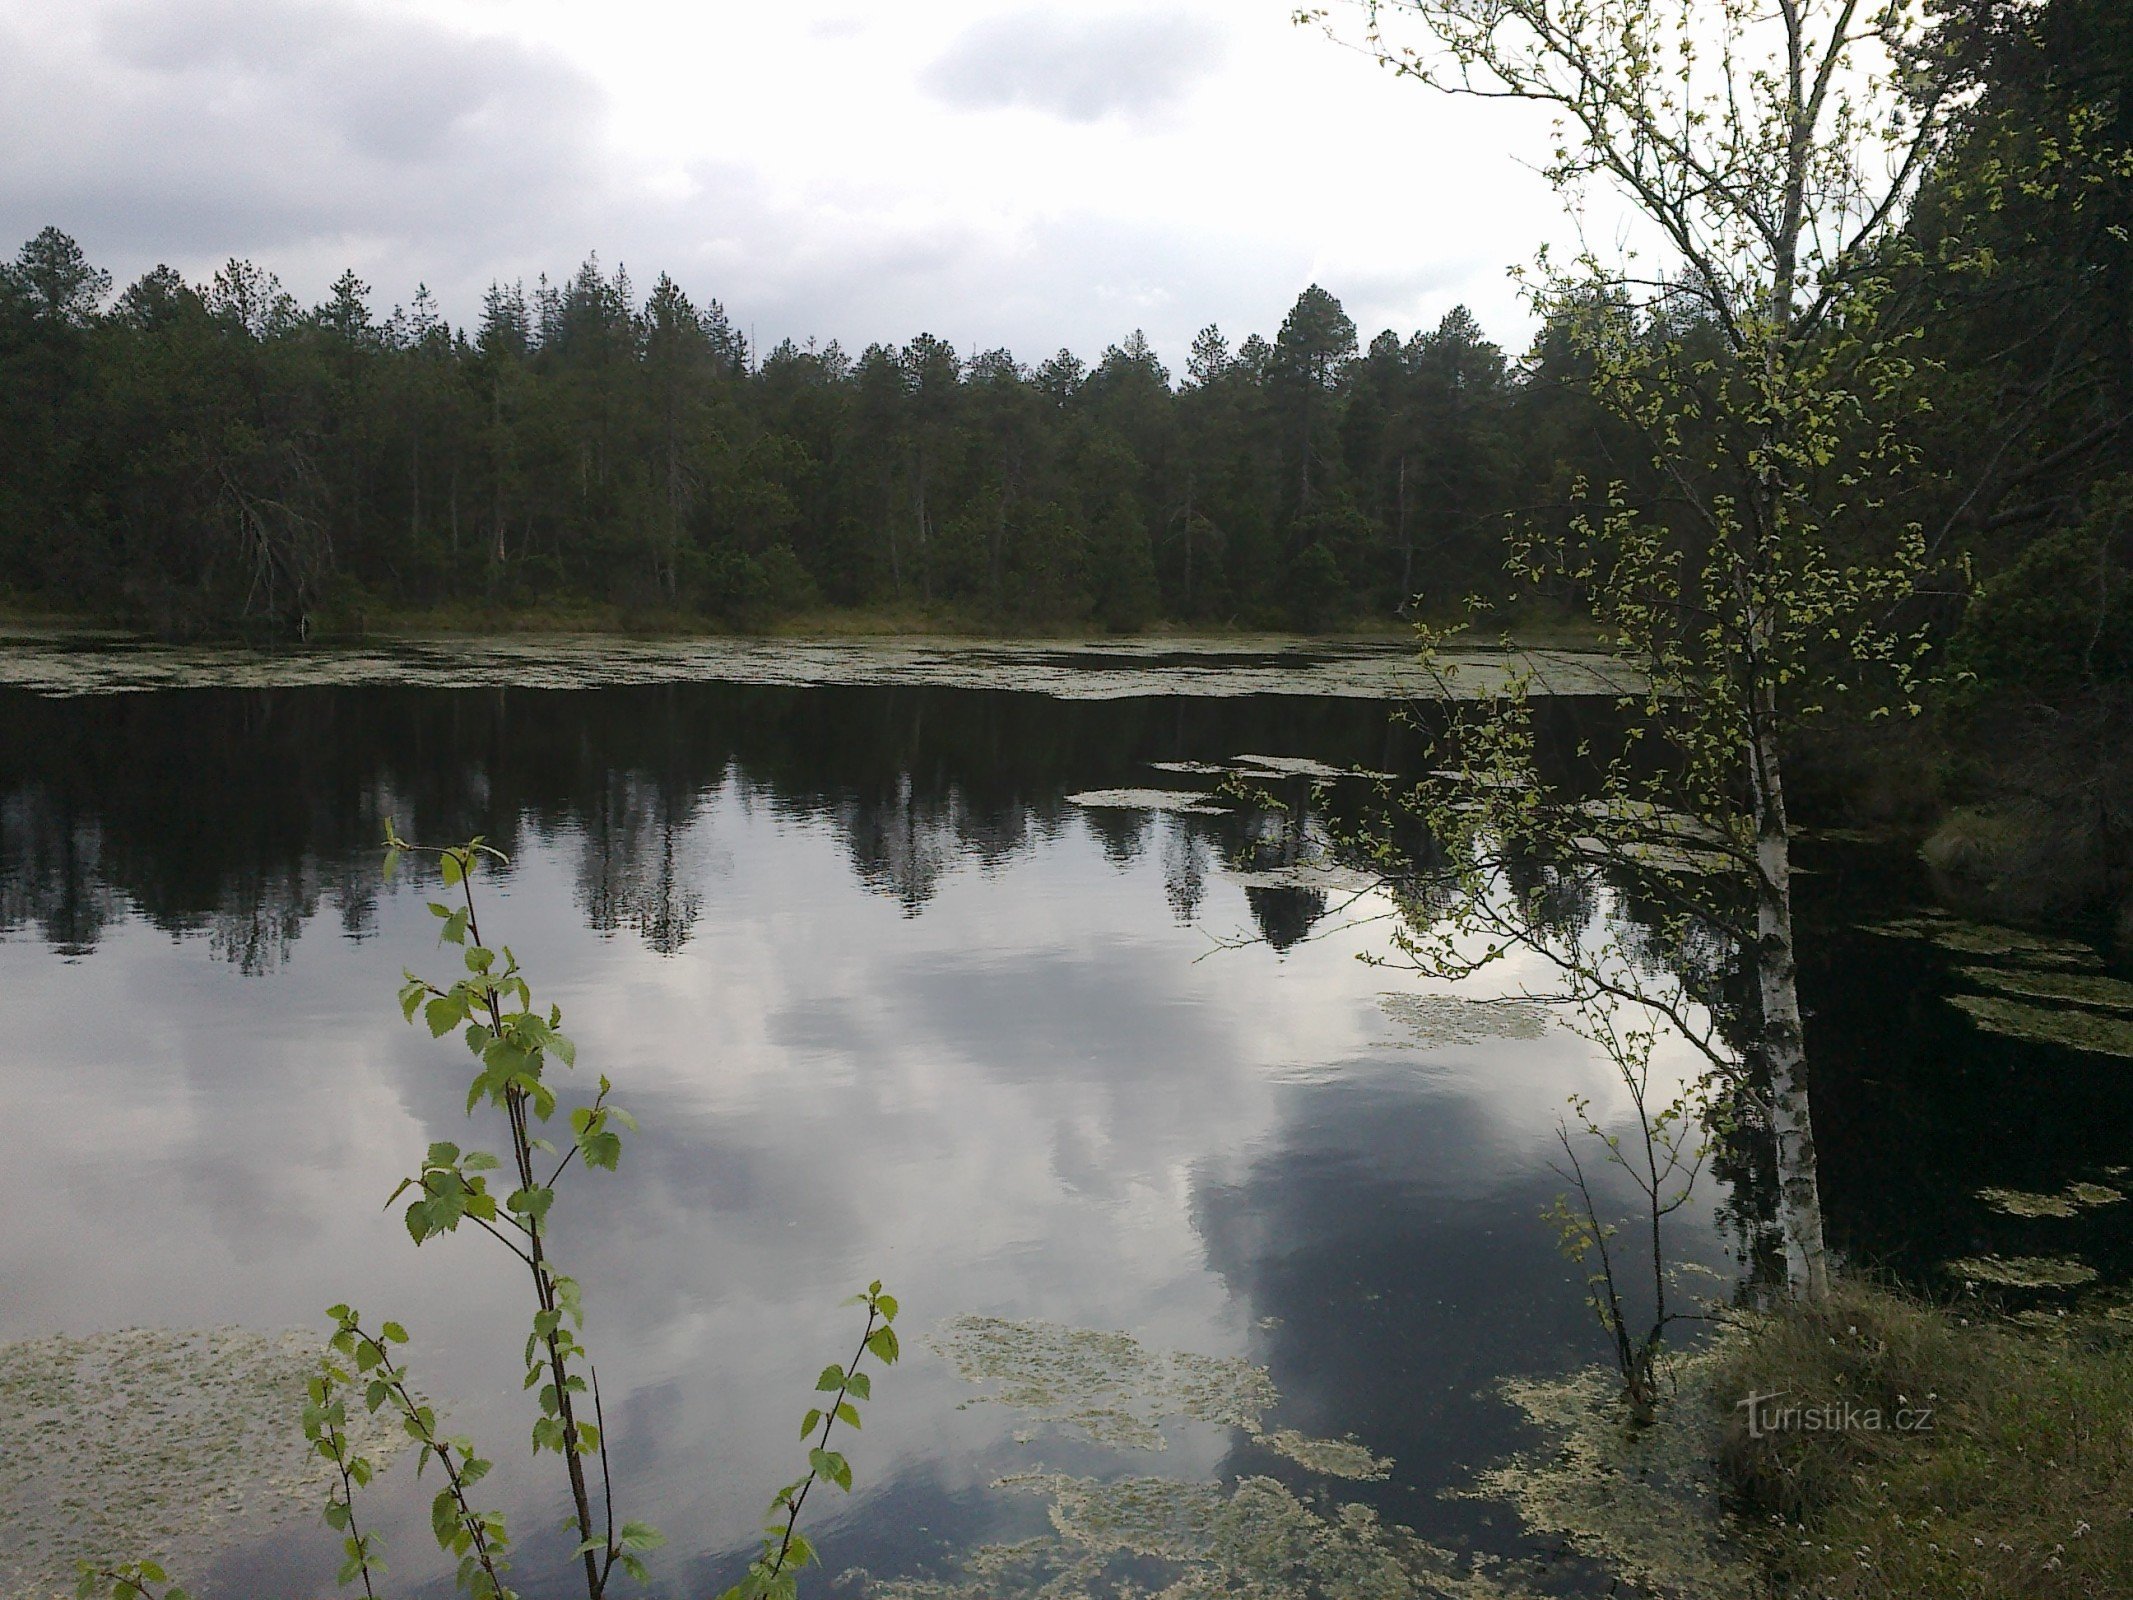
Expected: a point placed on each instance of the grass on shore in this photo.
(2018, 1482)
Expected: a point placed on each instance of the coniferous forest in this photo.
(198, 458)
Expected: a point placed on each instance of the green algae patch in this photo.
(2022, 1272)
(1330, 1458)
(1435, 1020)
(1988, 939)
(2071, 988)
(1256, 1541)
(1643, 1501)
(1108, 1387)
(151, 1442)
(2076, 1028)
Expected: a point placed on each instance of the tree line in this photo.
(200, 457)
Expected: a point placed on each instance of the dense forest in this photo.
(199, 458)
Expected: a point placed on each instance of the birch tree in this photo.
(1772, 147)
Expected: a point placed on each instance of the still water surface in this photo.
(887, 1004)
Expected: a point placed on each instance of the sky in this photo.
(997, 174)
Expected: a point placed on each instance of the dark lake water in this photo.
(888, 1004)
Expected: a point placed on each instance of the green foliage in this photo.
(2060, 618)
(774, 1573)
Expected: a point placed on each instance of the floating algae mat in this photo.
(152, 1442)
(1116, 1391)
(60, 664)
(1987, 939)
(2022, 1272)
(1643, 1501)
(1443, 1019)
(2096, 1031)
(1256, 1541)
(1107, 1386)
(1184, 802)
(2067, 1203)
(2072, 988)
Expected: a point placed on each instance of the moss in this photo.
(2077, 1029)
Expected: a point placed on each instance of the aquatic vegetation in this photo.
(1256, 1541)
(1328, 877)
(2067, 1203)
(2094, 1031)
(2022, 1203)
(1987, 939)
(1114, 1390)
(1108, 1387)
(152, 1440)
(1641, 1500)
(59, 665)
(1331, 1458)
(2073, 988)
(2022, 1272)
(1434, 1020)
(1185, 802)
(1287, 767)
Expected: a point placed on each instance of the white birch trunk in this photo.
(1784, 1044)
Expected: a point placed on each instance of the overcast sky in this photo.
(993, 173)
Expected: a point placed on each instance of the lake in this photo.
(954, 967)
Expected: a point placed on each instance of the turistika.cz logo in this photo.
(1769, 1413)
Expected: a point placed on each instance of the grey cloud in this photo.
(193, 129)
(1081, 71)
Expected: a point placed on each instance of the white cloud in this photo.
(993, 174)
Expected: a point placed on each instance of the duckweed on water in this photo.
(2093, 1031)
(1447, 1019)
(148, 1442)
